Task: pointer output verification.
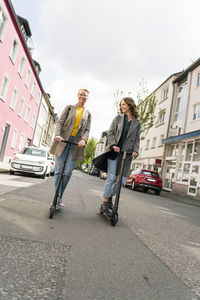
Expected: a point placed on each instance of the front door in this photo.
(4, 141)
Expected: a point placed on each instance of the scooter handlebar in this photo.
(69, 142)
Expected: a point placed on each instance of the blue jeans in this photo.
(69, 167)
(110, 186)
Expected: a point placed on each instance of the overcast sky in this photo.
(105, 45)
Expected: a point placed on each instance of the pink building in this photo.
(20, 88)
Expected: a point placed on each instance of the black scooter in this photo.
(113, 214)
(54, 203)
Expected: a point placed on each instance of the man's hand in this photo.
(58, 138)
(135, 154)
(81, 143)
(116, 149)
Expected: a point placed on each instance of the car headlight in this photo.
(15, 158)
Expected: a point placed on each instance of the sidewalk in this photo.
(180, 198)
(4, 167)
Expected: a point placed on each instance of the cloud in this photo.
(110, 44)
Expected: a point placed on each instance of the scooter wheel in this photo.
(52, 208)
(114, 220)
(101, 211)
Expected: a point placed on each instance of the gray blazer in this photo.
(132, 141)
(64, 127)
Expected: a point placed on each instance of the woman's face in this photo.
(124, 107)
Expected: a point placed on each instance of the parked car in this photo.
(51, 163)
(94, 171)
(31, 160)
(103, 175)
(145, 179)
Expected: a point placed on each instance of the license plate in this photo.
(151, 180)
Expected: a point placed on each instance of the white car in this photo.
(51, 163)
(31, 160)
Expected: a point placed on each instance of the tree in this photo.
(118, 97)
(146, 107)
(89, 153)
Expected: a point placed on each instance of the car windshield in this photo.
(149, 173)
(34, 152)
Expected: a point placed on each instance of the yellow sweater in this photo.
(79, 112)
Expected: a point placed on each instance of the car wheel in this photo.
(12, 172)
(43, 176)
(157, 192)
(145, 190)
(133, 186)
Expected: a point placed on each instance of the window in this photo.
(186, 171)
(165, 93)
(161, 119)
(13, 52)
(4, 88)
(21, 142)
(154, 142)
(182, 152)
(33, 89)
(14, 139)
(38, 98)
(3, 22)
(28, 77)
(189, 151)
(14, 99)
(22, 65)
(198, 80)
(196, 114)
(173, 150)
(27, 116)
(196, 154)
(33, 121)
(21, 107)
(147, 145)
(179, 109)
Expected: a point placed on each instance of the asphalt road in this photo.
(152, 253)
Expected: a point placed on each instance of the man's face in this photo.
(82, 97)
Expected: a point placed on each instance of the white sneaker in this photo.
(60, 202)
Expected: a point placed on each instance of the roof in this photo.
(189, 69)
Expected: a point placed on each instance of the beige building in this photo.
(181, 169)
(151, 146)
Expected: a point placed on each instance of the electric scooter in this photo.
(54, 203)
(113, 214)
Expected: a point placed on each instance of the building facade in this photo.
(20, 88)
(151, 146)
(181, 170)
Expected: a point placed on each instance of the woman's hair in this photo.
(132, 106)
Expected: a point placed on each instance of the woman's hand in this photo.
(58, 138)
(135, 154)
(81, 143)
(116, 149)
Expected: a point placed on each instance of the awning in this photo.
(181, 137)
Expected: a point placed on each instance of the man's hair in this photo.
(83, 90)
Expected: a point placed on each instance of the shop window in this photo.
(182, 152)
(168, 184)
(179, 172)
(196, 154)
(189, 151)
(186, 171)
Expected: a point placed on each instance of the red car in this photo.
(145, 179)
